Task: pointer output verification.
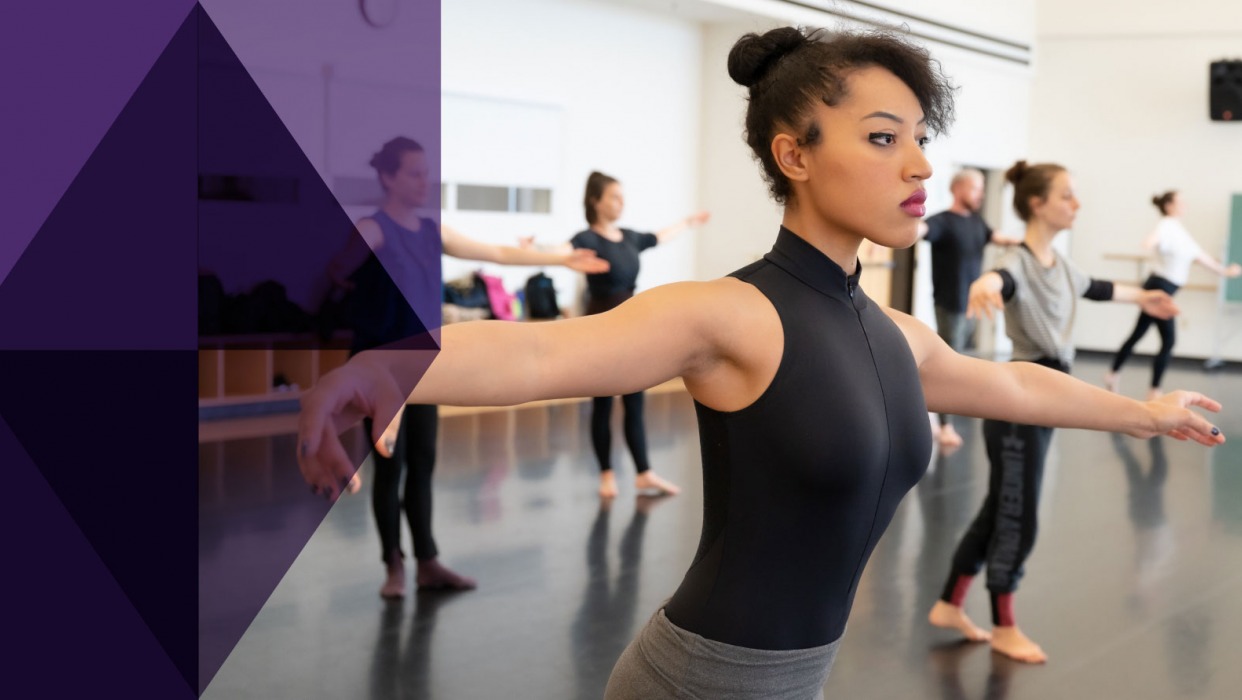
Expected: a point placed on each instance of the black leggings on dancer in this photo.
(415, 448)
(601, 407)
(635, 434)
(1003, 533)
(1168, 334)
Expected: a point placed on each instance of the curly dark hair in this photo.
(789, 69)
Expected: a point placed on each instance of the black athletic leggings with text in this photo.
(1002, 535)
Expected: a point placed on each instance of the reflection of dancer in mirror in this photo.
(957, 236)
(392, 269)
(1153, 537)
(610, 601)
(1038, 289)
(603, 203)
(810, 397)
(1175, 252)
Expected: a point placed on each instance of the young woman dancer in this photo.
(1038, 288)
(392, 267)
(603, 203)
(810, 397)
(1175, 252)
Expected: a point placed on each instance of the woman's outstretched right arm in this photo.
(667, 332)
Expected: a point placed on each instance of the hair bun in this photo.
(1015, 173)
(1156, 200)
(754, 54)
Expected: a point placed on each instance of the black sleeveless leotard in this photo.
(799, 486)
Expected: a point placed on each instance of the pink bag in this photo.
(498, 297)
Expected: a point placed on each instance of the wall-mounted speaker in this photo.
(1225, 91)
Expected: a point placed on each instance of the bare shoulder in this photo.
(724, 305)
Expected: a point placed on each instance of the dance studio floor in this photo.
(1133, 589)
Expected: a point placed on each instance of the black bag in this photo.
(469, 292)
(541, 297)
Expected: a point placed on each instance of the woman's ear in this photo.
(789, 157)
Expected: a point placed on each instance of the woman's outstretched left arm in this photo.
(1023, 392)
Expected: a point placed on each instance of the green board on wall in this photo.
(1233, 287)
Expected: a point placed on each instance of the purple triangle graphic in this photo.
(113, 265)
(71, 70)
(268, 227)
(65, 604)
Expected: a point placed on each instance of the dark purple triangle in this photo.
(266, 221)
(113, 266)
(105, 555)
(69, 69)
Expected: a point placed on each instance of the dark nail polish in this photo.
(1216, 431)
(314, 489)
(304, 448)
(390, 445)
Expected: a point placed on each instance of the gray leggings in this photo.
(666, 662)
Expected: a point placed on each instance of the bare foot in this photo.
(1154, 393)
(1112, 381)
(650, 483)
(607, 484)
(951, 617)
(948, 437)
(1012, 643)
(394, 584)
(432, 575)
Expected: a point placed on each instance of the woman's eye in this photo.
(923, 141)
(881, 139)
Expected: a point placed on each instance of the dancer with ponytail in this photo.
(1038, 288)
(1175, 252)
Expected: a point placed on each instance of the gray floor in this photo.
(1133, 588)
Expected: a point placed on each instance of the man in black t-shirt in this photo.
(957, 237)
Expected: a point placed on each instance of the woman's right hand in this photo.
(360, 389)
(985, 296)
(1234, 270)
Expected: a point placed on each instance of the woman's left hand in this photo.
(1171, 415)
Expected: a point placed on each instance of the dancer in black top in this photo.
(603, 203)
(810, 396)
(958, 236)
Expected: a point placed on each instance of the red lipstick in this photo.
(914, 203)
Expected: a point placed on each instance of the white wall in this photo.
(1121, 98)
(625, 81)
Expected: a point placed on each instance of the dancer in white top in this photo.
(1175, 252)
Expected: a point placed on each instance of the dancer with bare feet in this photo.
(603, 203)
(1175, 252)
(1038, 289)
